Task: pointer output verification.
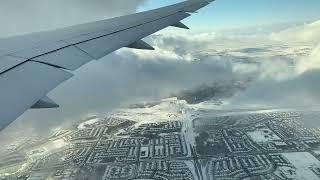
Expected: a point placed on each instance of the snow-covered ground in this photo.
(263, 135)
(89, 122)
(303, 162)
(167, 110)
(170, 109)
(45, 149)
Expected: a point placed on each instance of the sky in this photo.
(20, 17)
(128, 76)
(225, 14)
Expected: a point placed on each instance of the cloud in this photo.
(292, 83)
(20, 17)
(307, 33)
(296, 92)
(284, 66)
(310, 62)
(284, 73)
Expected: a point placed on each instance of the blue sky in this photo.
(226, 14)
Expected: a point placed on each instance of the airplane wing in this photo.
(33, 65)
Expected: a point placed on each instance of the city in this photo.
(189, 144)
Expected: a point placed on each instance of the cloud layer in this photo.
(307, 33)
(284, 65)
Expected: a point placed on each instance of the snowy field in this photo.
(303, 161)
(263, 135)
(167, 110)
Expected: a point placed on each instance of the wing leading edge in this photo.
(32, 65)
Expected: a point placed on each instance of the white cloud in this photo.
(150, 55)
(307, 33)
(284, 65)
(310, 62)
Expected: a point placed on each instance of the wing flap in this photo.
(40, 50)
(24, 85)
(70, 58)
(7, 62)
